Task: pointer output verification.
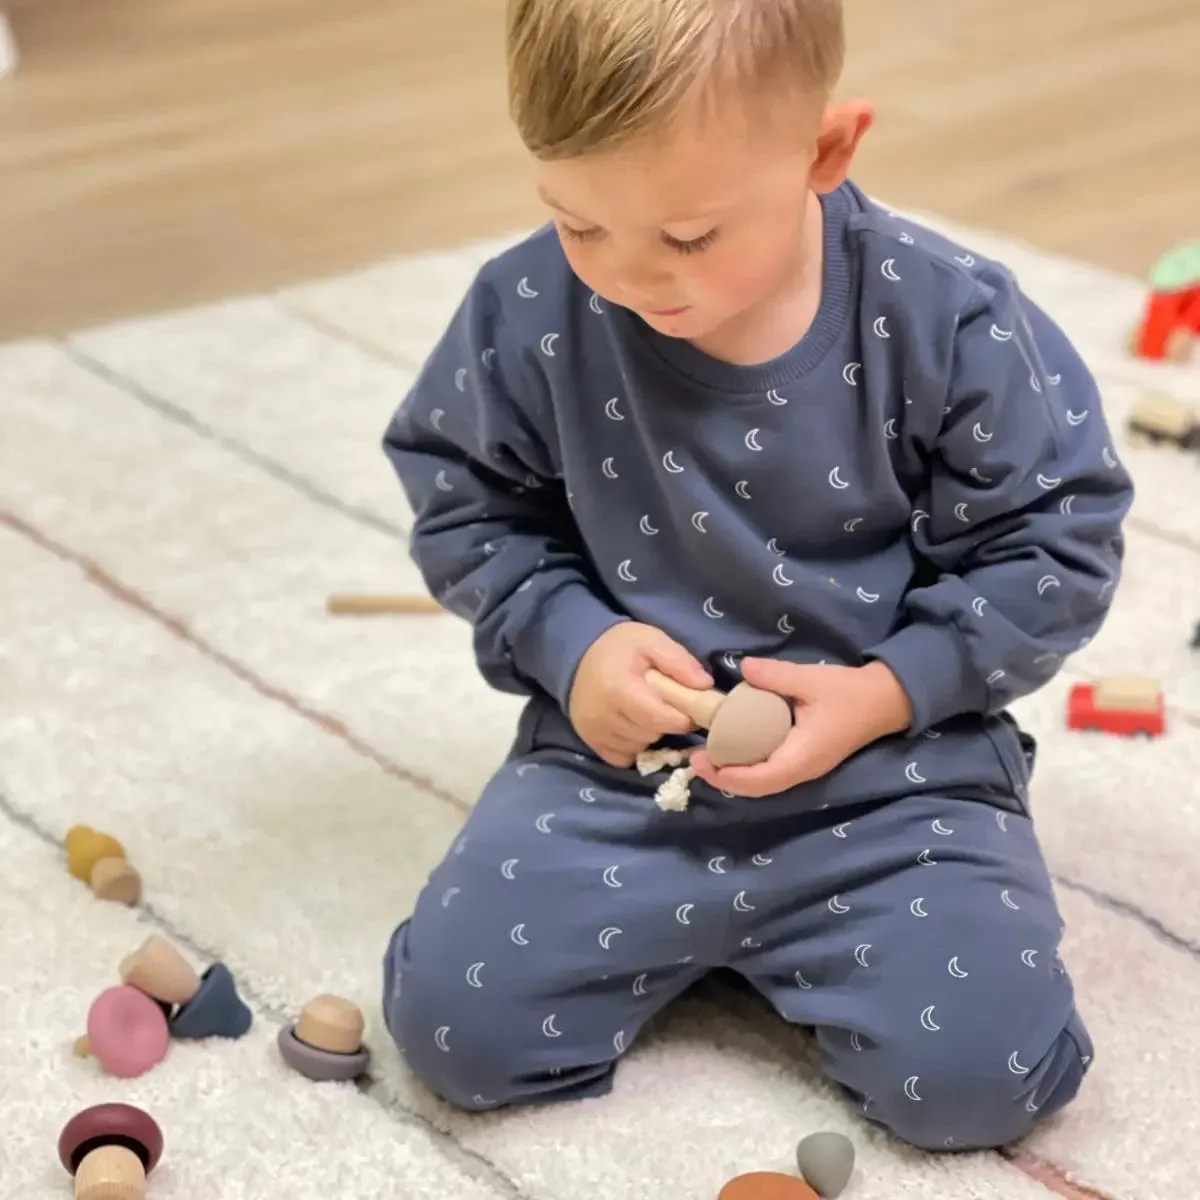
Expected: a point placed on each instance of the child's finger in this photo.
(785, 769)
(651, 713)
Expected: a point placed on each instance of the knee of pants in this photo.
(469, 1058)
(973, 1097)
(466, 1062)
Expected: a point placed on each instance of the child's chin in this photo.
(685, 324)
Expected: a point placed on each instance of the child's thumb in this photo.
(785, 678)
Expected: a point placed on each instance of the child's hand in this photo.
(838, 711)
(612, 707)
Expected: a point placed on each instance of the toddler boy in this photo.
(728, 418)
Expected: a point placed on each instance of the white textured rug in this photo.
(177, 498)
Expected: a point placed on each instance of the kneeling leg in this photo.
(543, 942)
(931, 972)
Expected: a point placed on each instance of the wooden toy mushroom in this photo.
(745, 726)
(325, 1044)
(98, 859)
(767, 1185)
(110, 1149)
(207, 1005)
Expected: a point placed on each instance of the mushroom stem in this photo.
(110, 1172)
(157, 968)
(700, 706)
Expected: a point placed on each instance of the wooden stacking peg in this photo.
(114, 879)
(110, 1149)
(325, 1044)
(157, 968)
(332, 1024)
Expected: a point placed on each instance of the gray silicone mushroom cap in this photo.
(826, 1162)
(321, 1066)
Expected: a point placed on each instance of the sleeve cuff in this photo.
(934, 669)
(558, 635)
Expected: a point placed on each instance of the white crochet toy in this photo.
(675, 792)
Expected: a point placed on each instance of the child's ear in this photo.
(842, 128)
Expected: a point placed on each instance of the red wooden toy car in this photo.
(1124, 705)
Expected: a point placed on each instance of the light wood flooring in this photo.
(156, 153)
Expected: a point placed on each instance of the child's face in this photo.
(698, 225)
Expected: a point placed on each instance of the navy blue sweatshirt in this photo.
(926, 478)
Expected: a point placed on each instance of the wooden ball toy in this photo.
(98, 860)
(767, 1185)
(126, 1031)
(110, 1149)
(826, 1162)
(745, 726)
(325, 1043)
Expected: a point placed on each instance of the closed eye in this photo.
(680, 245)
(692, 245)
(581, 235)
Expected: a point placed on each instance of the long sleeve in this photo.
(493, 534)
(1020, 530)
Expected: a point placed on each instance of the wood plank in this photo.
(155, 155)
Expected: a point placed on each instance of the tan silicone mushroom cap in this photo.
(749, 727)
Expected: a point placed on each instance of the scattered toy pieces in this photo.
(369, 606)
(203, 1006)
(160, 997)
(110, 1149)
(98, 860)
(826, 1162)
(1122, 705)
(326, 1043)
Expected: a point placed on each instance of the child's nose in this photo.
(641, 274)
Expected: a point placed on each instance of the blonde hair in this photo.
(587, 74)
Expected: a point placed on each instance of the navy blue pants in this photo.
(918, 937)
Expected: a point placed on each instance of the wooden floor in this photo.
(155, 153)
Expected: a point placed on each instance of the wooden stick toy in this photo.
(369, 606)
(745, 726)
(110, 1149)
